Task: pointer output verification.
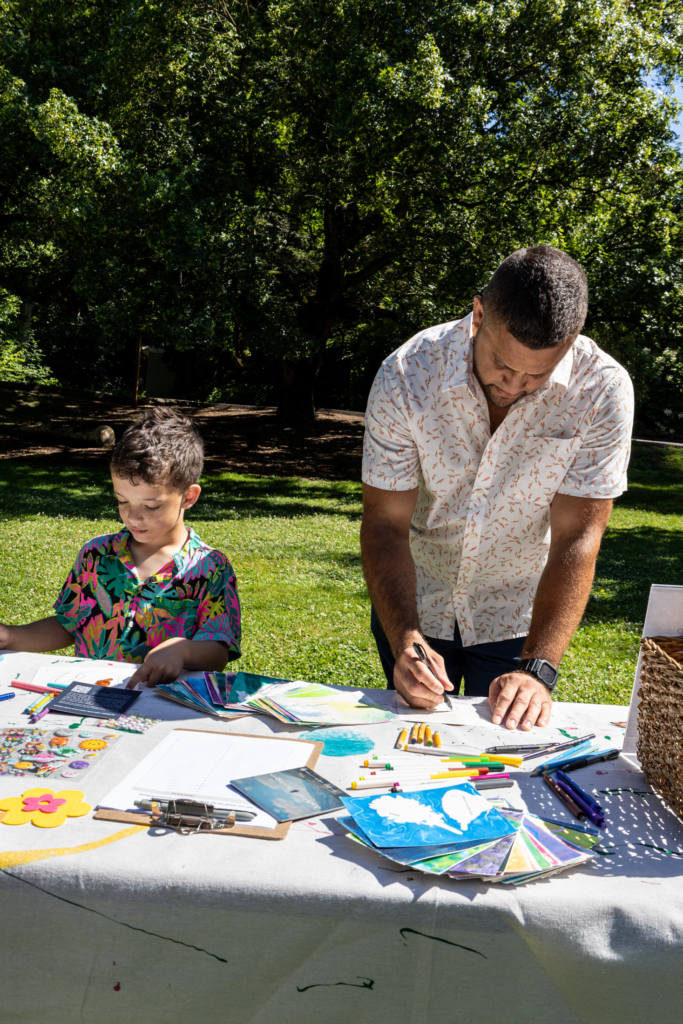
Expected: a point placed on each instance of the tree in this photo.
(306, 180)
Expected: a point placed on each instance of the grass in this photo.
(294, 546)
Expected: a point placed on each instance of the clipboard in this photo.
(254, 832)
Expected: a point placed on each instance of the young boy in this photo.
(153, 593)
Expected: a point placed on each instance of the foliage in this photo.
(290, 188)
(294, 545)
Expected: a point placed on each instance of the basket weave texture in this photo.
(660, 717)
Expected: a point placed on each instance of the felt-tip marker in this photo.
(422, 655)
(568, 802)
(7, 696)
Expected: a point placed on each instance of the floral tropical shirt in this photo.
(115, 615)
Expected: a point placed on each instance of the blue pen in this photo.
(581, 792)
(554, 762)
(7, 696)
(587, 759)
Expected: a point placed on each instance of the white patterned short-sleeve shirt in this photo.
(480, 533)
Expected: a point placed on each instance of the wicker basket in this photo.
(660, 717)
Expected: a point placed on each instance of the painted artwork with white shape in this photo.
(428, 817)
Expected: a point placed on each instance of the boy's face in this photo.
(152, 512)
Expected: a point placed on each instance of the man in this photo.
(494, 447)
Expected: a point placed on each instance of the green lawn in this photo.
(294, 545)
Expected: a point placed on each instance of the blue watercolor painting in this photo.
(428, 817)
(342, 742)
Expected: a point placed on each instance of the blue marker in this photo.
(7, 696)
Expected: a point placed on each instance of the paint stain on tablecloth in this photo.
(342, 742)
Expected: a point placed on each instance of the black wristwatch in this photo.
(541, 670)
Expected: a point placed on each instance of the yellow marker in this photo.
(428, 737)
(514, 762)
(413, 733)
(401, 739)
(421, 732)
(437, 740)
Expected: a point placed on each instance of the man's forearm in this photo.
(561, 599)
(390, 575)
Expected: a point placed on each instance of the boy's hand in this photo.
(162, 664)
(5, 637)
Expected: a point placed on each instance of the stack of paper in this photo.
(206, 693)
(301, 703)
(228, 695)
(456, 831)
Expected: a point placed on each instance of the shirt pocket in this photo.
(543, 465)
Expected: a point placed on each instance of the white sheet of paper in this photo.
(201, 765)
(81, 672)
(441, 714)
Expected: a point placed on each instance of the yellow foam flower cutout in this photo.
(25, 808)
(92, 745)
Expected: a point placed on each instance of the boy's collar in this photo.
(121, 547)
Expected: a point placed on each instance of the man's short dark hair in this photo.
(160, 447)
(540, 295)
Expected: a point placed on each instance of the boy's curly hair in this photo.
(160, 447)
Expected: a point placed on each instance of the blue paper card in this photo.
(401, 854)
(428, 817)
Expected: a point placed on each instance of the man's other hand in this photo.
(413, 680)
(525, 700)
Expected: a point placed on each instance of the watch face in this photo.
(547, 674)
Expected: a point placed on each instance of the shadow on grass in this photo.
(85, 492)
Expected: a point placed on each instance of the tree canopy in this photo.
(287, 190)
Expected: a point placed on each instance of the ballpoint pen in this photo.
(220, 813)
(422, 655)
(516, 748)
(574, 763)
(560, 746)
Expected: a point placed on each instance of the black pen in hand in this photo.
(422, 655)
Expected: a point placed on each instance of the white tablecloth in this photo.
(156, 927)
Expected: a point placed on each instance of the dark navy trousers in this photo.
(477, 665)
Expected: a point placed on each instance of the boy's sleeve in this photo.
(69, 609)
(218, 616)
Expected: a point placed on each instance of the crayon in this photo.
(401, 739)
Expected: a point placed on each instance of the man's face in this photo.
(506, 369)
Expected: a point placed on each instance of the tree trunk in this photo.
(25, 321)
(295, 380)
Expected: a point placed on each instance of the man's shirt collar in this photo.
(459, 370)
